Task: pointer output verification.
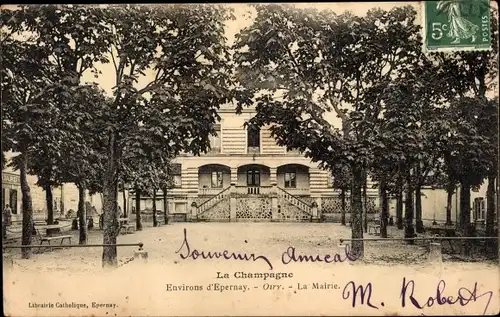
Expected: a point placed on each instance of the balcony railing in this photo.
(253, 190)
(253, 150)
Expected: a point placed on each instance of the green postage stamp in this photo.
(457, 25)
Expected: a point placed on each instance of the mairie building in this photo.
(246, 176)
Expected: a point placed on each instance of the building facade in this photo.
(246, 176)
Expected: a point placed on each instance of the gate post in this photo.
(274, 202)
(232, 203)
(435, 255)
(314, 211)
(194, 208)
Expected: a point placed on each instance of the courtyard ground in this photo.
(159, 241)
(75, 274)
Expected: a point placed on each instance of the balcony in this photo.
(253, 190)
(253, 150)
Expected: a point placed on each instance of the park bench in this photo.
(48, 239)
(375, 227)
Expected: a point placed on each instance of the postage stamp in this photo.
(457, 25)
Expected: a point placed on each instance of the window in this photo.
(290, 180)
(253, 135)
(253, 177)
(175, 172)
(215, 140)
(479, 208)
(217, 179)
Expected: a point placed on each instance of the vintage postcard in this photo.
(312, 159)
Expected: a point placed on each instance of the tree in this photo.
(82, 160)
(72, 40)
(184, 46)
(25, 108)
(318, 62)
(467, 158)
(471, 75)
(146, 176)
(488, 127)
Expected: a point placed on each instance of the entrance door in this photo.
(253, 177)
(253, 181)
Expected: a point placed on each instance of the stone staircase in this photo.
(204, 209)
(290, 207)
(304, 207)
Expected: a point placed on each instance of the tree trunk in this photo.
(62, 201)
(125, 213)
(27, 208)
(409, 228)
(138, 222)
(419, 224)
(399, 207)
(342, 205)
(155, 221)
(365, 206)
(384, 209)
(464, 225)
(82, 214)
(356, 212)
(490, 207)
(450, 189)
(109, 254)
(165, 206)
(50, 204)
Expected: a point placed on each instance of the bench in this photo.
(127, 228)
(48, 239)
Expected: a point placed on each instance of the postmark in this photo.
(457, 25)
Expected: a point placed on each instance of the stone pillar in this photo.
(318, 203)
(232, 201)
(141, 255)
(435, 253)
(194, 209)
(273, 179)
(274, 201)
(234, 176)
(314, 211)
